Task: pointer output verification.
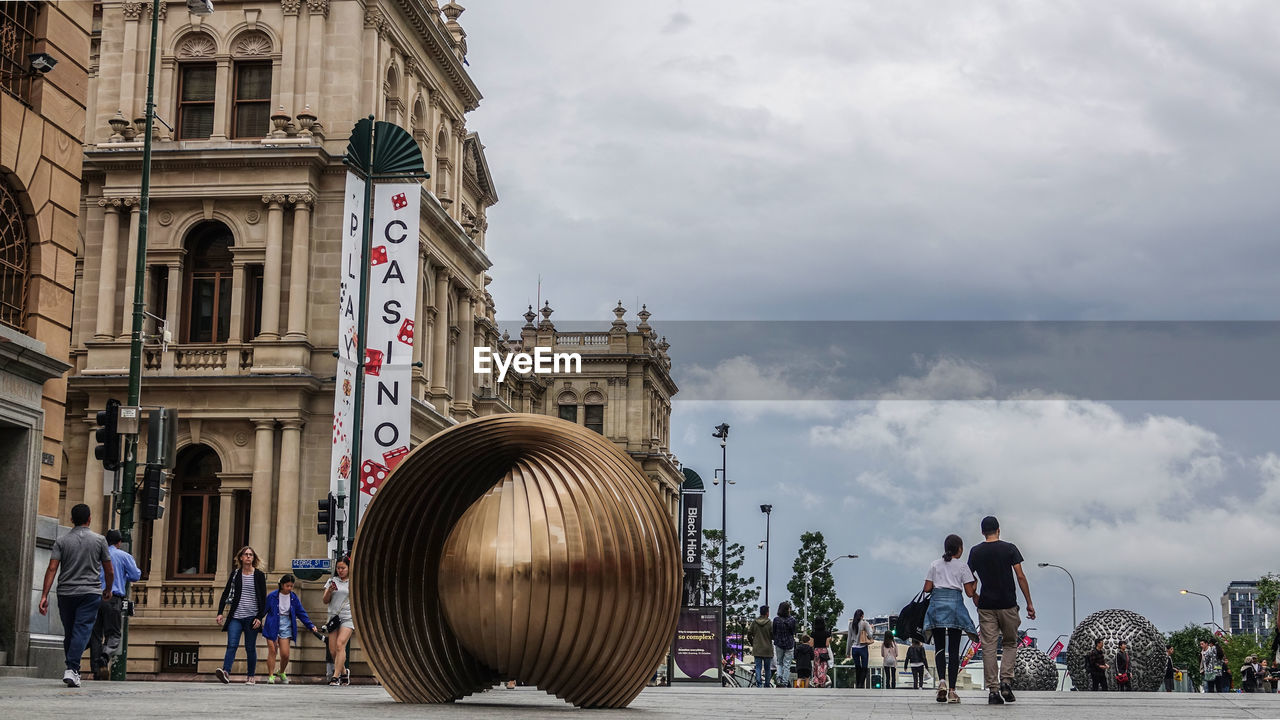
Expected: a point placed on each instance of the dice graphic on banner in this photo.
(371, 476)
(399, 201)
(393, 457)
(406, 332)
(378, 255)
(372, 361)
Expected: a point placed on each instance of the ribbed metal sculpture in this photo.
(1033, 670)
(1146, 648)
(516, 547)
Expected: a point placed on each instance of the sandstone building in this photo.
(41, 117)
(242, 282)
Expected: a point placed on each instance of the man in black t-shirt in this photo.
(996, 563)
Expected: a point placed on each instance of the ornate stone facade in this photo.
(242, 279)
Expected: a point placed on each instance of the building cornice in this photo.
(108, 159)
(440, 47)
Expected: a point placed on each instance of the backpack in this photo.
(911, 618)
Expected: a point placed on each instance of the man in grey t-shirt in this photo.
(82, 564)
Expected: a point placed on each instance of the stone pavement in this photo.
(32, 698)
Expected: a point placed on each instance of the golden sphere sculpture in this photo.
(516, 547)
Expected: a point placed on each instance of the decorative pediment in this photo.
(197, 45)
(476, 169)
(251, 44)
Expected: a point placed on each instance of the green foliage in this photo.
(740, 599)
(823, 600)
(1186, 649)
(1237, 648)
(1269, 591)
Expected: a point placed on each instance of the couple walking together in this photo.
(997, 565)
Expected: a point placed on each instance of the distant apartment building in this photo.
(1243, 613)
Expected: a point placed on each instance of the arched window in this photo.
(593, 412)
(392, 90)
(207, 315)
(567, 406)
(193, 546)
(197, 86)
(251, 116)
(13, 259)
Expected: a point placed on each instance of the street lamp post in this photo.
(1073, 591)
(1213, 618)
(808, 582)
(722, 433)
(768, 517)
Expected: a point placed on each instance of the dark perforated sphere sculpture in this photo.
(516, 547)
(1146, 648)
(1034, 671)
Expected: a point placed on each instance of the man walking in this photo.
(996, 563)
(1169, 669)
(105, 642)
(77, 560)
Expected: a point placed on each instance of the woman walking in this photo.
(337, 594)
(859, 640)
(1123, 668)
(889, 656)
(1210, 666)
(821, 651)
(949, 580)
(284, 610)
(916, 662)
(246, 595)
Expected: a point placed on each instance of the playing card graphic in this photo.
(406, 332)
(399, 201)
(344, 467)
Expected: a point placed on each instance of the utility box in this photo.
(162, 437)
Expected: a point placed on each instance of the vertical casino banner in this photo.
(353, 213)
(393, 283)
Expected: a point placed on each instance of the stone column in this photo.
(466, 332)
(288, 55)
(237, 303)
(105, 329)
(221, 99)
(317, 15)
(173, 299)
(374, 24)
(440, 335)
(299, 266)
(226, 523)
(130, 263)
(93, 480)
(132, 13)
(287, 520)
(260, 516)
(271, 268)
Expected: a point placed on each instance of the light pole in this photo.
(130, 471)
(1073, 591)
(768, 516)
(808, 582)
(722, 433)
(1213, 618)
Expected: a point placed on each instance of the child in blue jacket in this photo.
(284, 610)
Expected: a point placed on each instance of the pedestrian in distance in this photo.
(761, 635)
(859, 643)
(948, 582)
(916, 663)
(784, 641)
(1249, 675)
(1169, 670)
(104, 644)
(889, 658)
(1210, 666)
(998, 566)
(82, 565)
(284, 610)
(1224, 676)
(1096, 663)
(804, 661)
(246, 595)
(337, 594)
(821, 651)
(1124, 679)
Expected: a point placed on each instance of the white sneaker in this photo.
(71, 678)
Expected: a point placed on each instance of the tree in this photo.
(1186, 650)
(740, 599)
(1269, 594)
(1237, 648)
(823, 601)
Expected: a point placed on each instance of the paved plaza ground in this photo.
(30, 698)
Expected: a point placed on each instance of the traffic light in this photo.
(108, 449)
(326, 516)
(153, 493)
(893, 625)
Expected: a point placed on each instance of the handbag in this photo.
(334, 623)
(911, 618)
(1123, 677)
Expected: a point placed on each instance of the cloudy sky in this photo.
(908, 161)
